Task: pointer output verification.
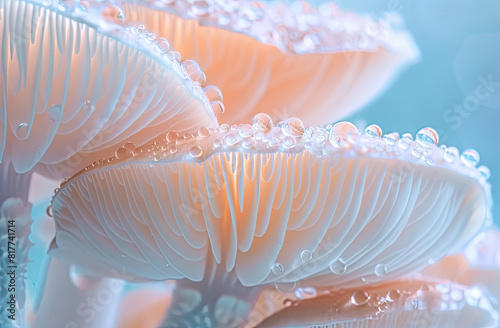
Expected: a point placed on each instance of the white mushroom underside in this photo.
(68, 88)
(250, 211)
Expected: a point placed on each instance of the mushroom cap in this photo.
(271, 208)
(75, 86)
(279, 58)
(403, 303)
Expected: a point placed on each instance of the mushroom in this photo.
(76, 87)
(403, 303)
(283, 59)
(234, 209)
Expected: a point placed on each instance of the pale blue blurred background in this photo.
(459, 42)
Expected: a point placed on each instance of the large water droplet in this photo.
(288, 142)
(193, 70)
(174, 56)
(427, 137)
(195, 151)
(218, 107)
(22, 131)
(171, 136)
(203, 132)
(137, 152)
(470, 157)
(359, 297)
(213, 93)
(245, 130)
(340, 131)
(293, 127)
(393, 295)
(338, 267)
(277, 269)
(380, 270)
(163, 44)
(373, 130)
(306, 256)
(129, 146)
(224, 128)
(262, 123)
(391, 138)
(485, 172)
(305, 293)
(451, 154)
(121, 153)
(231, 139)
(285, 287)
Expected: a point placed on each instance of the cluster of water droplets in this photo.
(292, 136)
(297, 28)
(189, 69)
(379, 301)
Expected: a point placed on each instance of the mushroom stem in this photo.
(218, 300)
(15, 223)
(13, 184)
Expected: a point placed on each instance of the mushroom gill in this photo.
(280, 58)
(75, 86)
(231, 210)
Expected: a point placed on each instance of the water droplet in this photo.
(22, 131)
(427, 137)
(373, 130)
(485, 172)
(288, 142)
(262, 123)
(193, 70)
(451, 154)
(217, 143)
(245, 130)
(195, 151)
(407, 136)
(417, 152)
(306, 256)
(393, 295)
(277, 269)
(54, 112)
(305, 293)
(391, 138)
(49, 211)
(129, 146)
(248, 142)
(171, 136)
(174, 56)
(217, 107)
(380, 270)
(163, 44)
(293, 127)
(285, 287)
(411, 304)
(359, 297)
(213, 93)
(203, 132)
(338, 267)
(224, 128)
(137, 152)
(173, 150)
(470, 157)
(121, 153)
(201, 7)
(231, 139)
(340, 131)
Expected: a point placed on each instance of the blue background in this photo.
(459, 42)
